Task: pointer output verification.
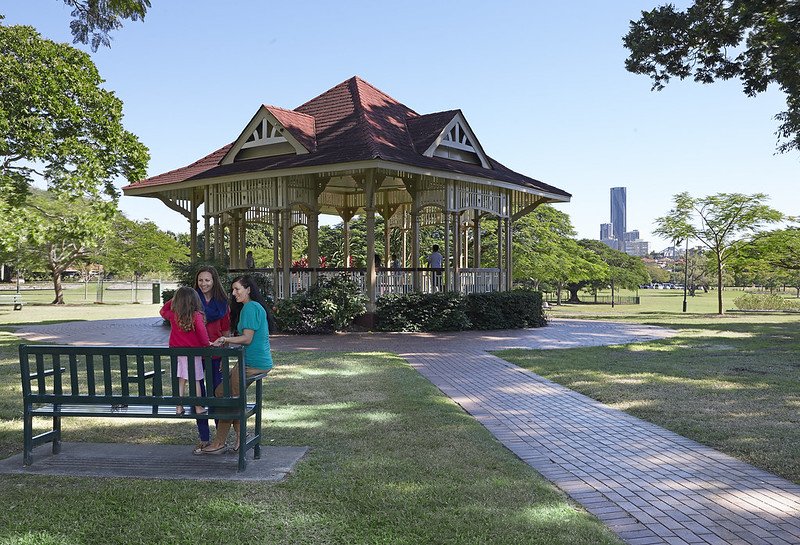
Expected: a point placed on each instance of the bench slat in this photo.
(133, 411)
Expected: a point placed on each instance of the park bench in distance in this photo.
(14, 299)
(129, 382)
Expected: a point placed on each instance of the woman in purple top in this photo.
(218, 324)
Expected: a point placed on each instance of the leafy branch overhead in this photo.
(756, 42)
(94, 19)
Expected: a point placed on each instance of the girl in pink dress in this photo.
(185, 314)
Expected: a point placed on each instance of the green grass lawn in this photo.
(731, 382)
(391, 461)
(75, 293)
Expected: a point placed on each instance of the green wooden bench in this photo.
(14, 299)
(129, 382)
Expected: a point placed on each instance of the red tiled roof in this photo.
(184, 173)
(301, 126)
(353, 121)
(425, 128)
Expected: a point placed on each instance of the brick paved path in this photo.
(648, 484)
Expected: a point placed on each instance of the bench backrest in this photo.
(10, 298)
(129, 375)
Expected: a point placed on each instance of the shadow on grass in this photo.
(391, 461)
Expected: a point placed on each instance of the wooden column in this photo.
(509, 262)
(456, 251)
(404, 231)
(286, 253)
(369, 208)
(476, 241)
(500, 251)
(218, 237)
(242, 237)
(313, 243)
(417, 280)
(276, 229)
(206, 225)
(193, 229)
(233, 239)
(387, 243)
(448, 278)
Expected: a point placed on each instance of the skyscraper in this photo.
(606, 231)
(618, 215)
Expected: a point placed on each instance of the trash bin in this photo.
(156, 293)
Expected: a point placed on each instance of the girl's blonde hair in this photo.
(185, 303)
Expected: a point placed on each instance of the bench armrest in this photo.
(252, 378)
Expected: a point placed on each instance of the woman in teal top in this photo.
(249, 320)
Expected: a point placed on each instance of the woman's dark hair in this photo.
(246, 281)
(216, 290)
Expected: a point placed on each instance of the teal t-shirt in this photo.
(257, 353)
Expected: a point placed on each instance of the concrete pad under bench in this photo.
(167, 462)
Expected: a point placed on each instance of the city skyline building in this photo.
(614, 234)
(619, 215)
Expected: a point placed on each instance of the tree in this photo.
(576, 266)
(138, 247)
(537, 239)
(59, 231)
(657, 274)
(779, 248)
(698, 271)
(753, 41)
(621, 270)
(717, 222)
(58, 123)
(94, 19)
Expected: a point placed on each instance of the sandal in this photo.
(215, 450)
(198, 450)
(180, 411)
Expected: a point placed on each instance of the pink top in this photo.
(178, 338)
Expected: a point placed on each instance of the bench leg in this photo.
(27, 442)
(257, 446)
(56, 434)
(242, 444)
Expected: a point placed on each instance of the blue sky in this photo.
(541, 83)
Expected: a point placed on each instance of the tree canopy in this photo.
(138, 247)
(58, 123)
(718, 222)
(756, 42)
(56, 232)
(94, 19)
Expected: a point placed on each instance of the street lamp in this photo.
(685, 273)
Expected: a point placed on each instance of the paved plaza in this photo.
(648, 484)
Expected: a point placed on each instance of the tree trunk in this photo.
(59, 290)
(573, 294)
(721, 310)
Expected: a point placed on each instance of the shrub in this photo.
(754, 301)
(505, 309)
(166, 295)
(422, 312)
(330, 305)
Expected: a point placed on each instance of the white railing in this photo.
(396, 281)
(480, 280)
